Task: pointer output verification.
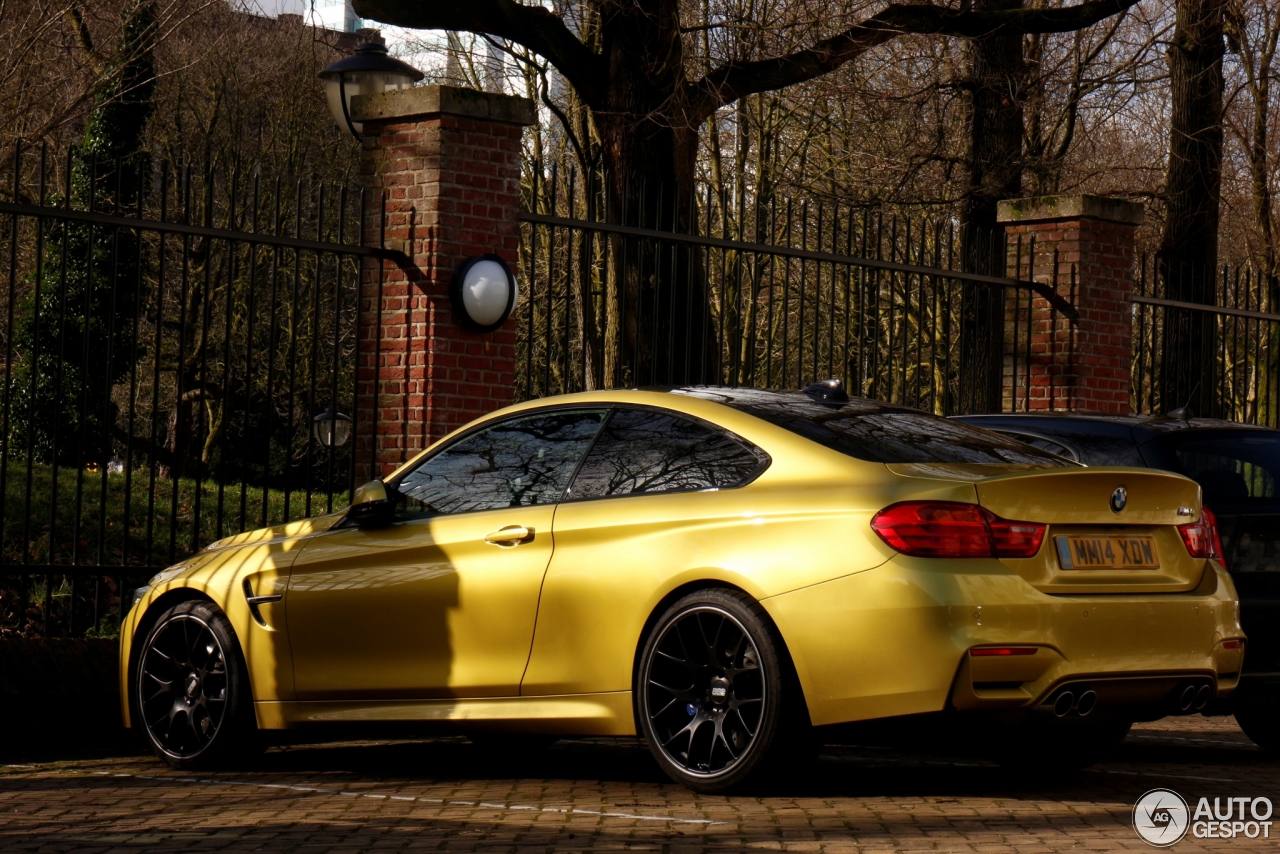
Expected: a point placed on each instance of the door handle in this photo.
(510, 536)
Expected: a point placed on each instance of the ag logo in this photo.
(1119, 499)
(1161, 817)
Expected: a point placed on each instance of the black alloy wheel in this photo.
(710, 690)
(192, 699)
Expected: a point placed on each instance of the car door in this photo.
(638, 510)
(442, 602)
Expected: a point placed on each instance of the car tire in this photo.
(716, 698)
(1261, 722)
(192, 698)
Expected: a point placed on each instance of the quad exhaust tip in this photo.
(1081, 700)
(1068, 701)
(1086, 703)
(1194, 697)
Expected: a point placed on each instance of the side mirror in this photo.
(371, 506)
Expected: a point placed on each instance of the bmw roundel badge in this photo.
(1119, 499)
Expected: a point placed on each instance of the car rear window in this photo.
(879, 433)
(1233, 467)
(1044, 443)
(643, 451)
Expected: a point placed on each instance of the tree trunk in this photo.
(997, 77)
(1188, 256)
(649, 151)
(1268, 274)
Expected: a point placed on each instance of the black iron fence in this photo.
(1218, 355)
(654, 289)
(169, 334)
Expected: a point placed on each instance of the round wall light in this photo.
(483, 292)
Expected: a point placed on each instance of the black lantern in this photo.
(366, 72)
(483, 292)
(331, 429)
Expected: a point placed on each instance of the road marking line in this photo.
(935, 763)
(1161, 774)
(420, 799)
(1219, 742)
(914, 762)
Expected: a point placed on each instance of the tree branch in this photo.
(534, 27)
(567, 125)
(730, 82)
(76, 19)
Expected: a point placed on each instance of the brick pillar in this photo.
(1092, 356)
(447, 162)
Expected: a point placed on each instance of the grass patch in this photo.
(65, 516)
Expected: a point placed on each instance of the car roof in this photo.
(731, 395)
(708, 402)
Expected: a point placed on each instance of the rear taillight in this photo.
(1015, 539)
(951, 529)
(1202, 537)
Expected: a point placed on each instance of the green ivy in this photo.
(75, 333)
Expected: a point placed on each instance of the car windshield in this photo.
(1233, 467)
(879, 433)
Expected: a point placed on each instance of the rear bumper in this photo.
(896, 640)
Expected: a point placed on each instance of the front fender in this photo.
(227, 577)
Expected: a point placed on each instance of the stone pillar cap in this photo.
(1041, 208)
(421, 101)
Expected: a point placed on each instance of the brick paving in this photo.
(445, 794)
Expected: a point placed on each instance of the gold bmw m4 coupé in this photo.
(724, 572)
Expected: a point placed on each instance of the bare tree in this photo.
(1253, 29)
(636, 69)
(55, 61)
(1077, 82)
(1188, 254)
(635, 65)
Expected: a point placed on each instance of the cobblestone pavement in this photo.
(590, 796)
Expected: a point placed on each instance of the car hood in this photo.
(277, 533)
(220, 552)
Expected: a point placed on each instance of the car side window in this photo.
(1233, 467)
(519, 462)
(643, 451)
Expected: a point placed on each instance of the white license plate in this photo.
(1107, 553)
